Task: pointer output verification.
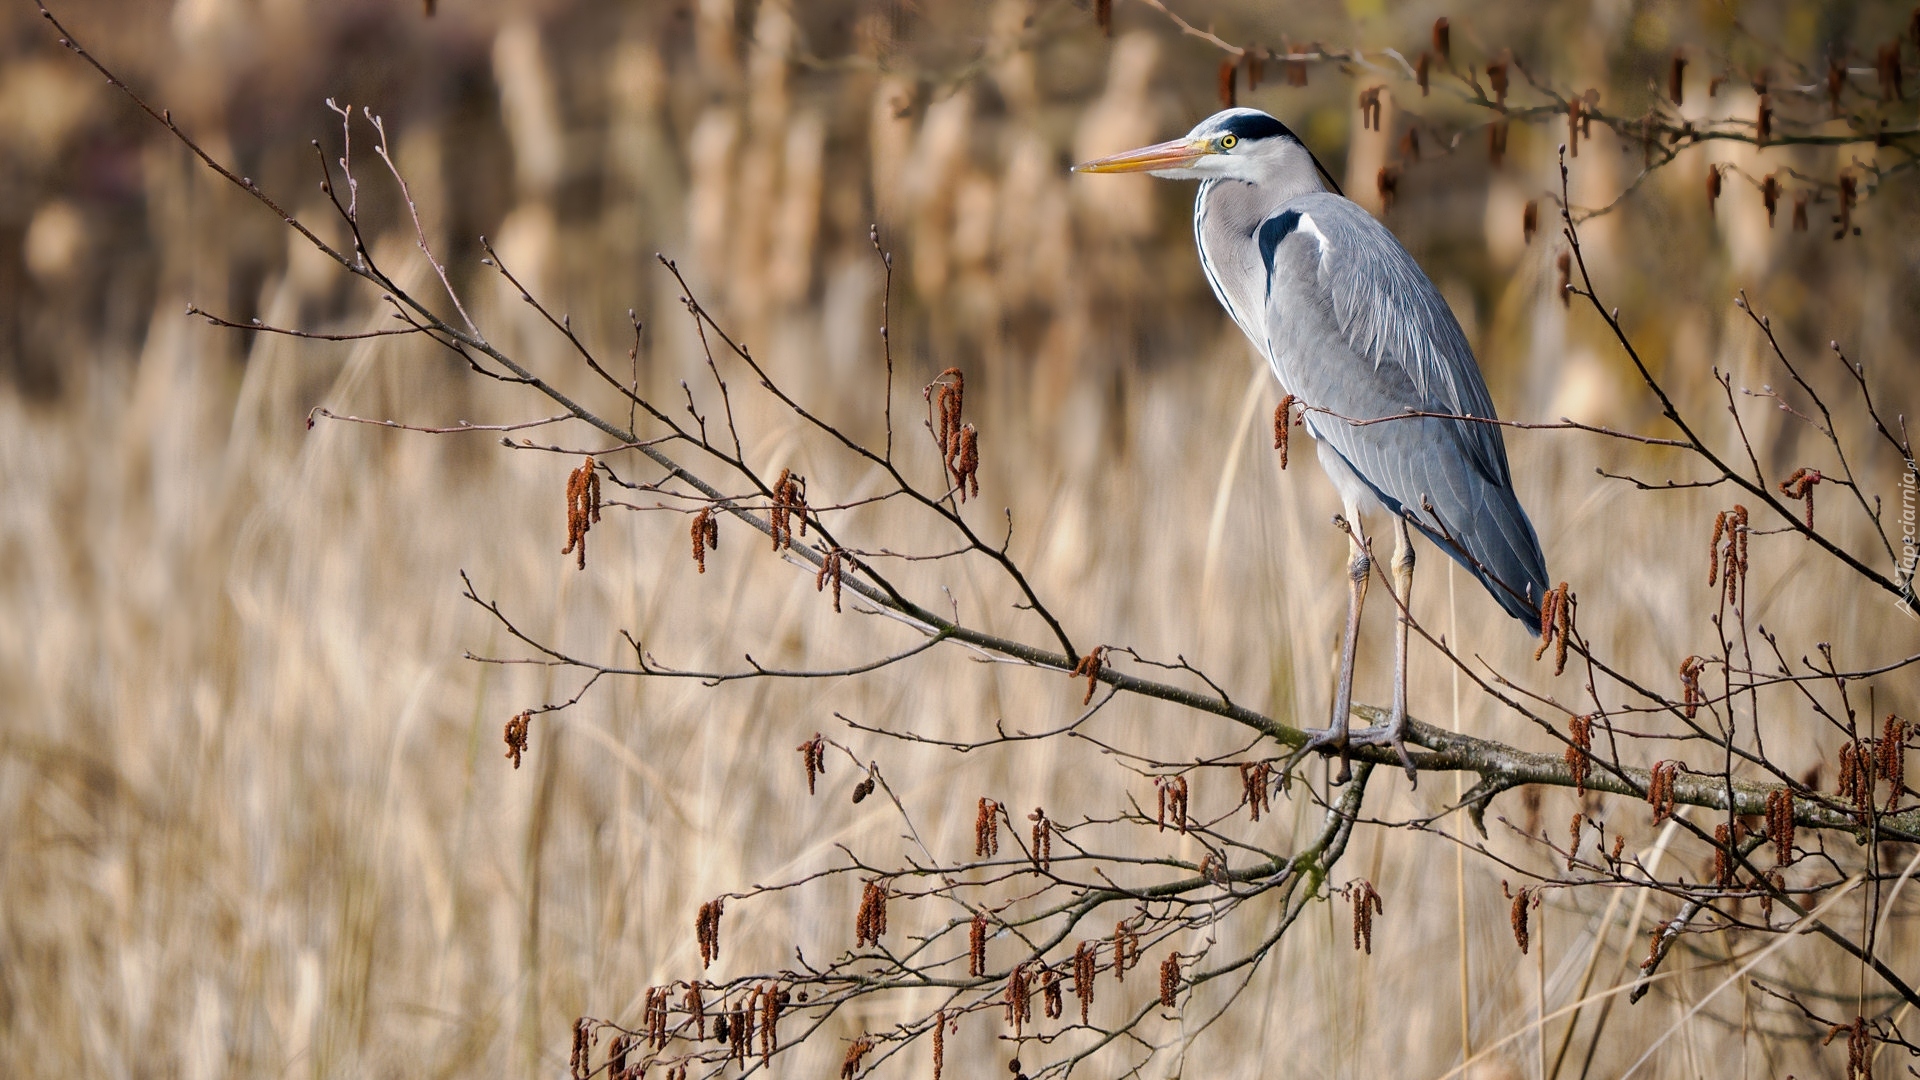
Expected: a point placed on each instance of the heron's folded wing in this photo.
(1356, 327)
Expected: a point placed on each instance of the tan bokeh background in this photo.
(256, 819)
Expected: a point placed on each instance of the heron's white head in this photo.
(1233, 144)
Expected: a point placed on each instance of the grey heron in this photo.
(1351, 326)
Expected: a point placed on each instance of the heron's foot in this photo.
(1388, 734)
(1330, 740)
(1338, 741)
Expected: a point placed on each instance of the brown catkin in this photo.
(1366, 904)
(583, 509)
(1517, 916)
(745, 1015)
(1126, 950)
(1089, 668)
(832, 565)
(1892, 758)
(705, 535)
(772, 1000)
(1713, 549)
(1370, 108)
(813, 754)
(1042, 851)
(871, 920)
(977, 946)
(578, 1062)
(1800, 486)
(1856, 778)
(1018, 998)
(1083, 974)
(1579, 756)
(707, 930)
(1173, 801)
(1660, 789)
(516, 735)
(1282, 421)
(696, 1007)
(966, 465)
(1555, 626)
(939, 1042)
(1691, 695)
(617, 1057)
(986, 829)
(1169, 980)
(1722, 855)
(850, 1065)
(1573, 837)
(654, 1017)
(1255, 776)
(1780, 825)
(1052, 1001)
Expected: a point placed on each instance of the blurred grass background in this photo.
(256, 820)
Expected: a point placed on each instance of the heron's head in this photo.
(1234, 144)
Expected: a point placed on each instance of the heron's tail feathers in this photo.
(1498, 547)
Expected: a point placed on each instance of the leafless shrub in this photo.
(1040, 899)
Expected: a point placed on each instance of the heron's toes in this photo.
(1386, 735)
(1330, 741)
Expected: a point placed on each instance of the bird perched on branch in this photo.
(1357, 332)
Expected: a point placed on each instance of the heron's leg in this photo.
(1393, 732)
(1359, 568)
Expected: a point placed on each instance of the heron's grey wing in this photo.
(1355, 327)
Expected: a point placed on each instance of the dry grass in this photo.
(257, 817)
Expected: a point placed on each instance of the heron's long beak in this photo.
(1176, 154)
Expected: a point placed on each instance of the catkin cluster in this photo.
(1660, 789)
(1173, 801)
(871, 920)
(1255, 778)
(583, 509)
(813, 753)
(1556, 622)
(1579, 756)
(706, 928)
(789, 505)
(1366, 904)
(705, 535)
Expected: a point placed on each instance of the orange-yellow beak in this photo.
(1175, 154)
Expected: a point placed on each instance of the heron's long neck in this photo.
(1226, 215)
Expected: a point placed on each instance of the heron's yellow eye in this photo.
(1229, 141)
